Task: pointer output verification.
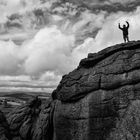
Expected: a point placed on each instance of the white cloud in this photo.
(16, 78)
(109, 34)
(49, 51)
(51, 78)
(8, 7)
(9, 60)
(53, 51)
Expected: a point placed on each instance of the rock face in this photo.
(31, 122)
(86, 103)
(90, 98)
(4, 128)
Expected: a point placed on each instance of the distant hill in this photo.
(24, 95)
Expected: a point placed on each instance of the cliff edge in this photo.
(99, 91)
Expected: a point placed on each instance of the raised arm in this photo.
(119, 26)
(127, 24)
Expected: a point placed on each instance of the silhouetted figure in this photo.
(125, 31)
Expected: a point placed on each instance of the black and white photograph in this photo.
(69, 70)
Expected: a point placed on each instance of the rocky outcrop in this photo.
(86, 103)
(4, 128)
(31, 121)
(91, 97)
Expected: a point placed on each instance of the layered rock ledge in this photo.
(91, 97)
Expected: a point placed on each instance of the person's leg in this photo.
(124, 37)
(127, 38)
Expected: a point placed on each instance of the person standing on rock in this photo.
(125, 31)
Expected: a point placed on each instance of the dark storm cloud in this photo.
(114, 7)
(107, 5)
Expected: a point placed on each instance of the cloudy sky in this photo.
(44, 48)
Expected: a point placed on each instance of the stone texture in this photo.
(31, 121)
(4, 128)
(90, 98)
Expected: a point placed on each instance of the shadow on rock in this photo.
(31, 121)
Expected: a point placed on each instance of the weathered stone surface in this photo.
(118, 68)
(91, 97)
(4, 128)
(31, 121)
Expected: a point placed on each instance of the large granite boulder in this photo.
(93, 96)
(31, 121)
